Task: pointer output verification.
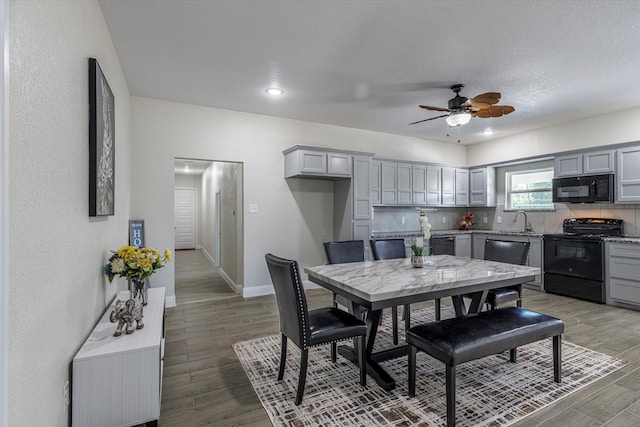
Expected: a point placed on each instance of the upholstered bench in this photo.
(460, 340)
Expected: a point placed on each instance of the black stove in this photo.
(574, 260)
(589, 228)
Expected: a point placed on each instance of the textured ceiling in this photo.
(368, 64)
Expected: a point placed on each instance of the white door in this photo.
(185, 218)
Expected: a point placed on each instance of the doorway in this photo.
(209, 193)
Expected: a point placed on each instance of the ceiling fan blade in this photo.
(495, 111)
(432, 118)
(427, 107)
(487, 98)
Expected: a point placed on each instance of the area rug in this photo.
(490, 392)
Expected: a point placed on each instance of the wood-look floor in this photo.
(204, 383)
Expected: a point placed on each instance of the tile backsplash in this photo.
(405, 219)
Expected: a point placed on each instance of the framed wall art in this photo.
(136, 232)
(101, 143)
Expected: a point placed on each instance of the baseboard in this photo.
(209, 257)
(170, 301)
(233, 285)
(257, 291)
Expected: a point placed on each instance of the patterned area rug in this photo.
(490, 391)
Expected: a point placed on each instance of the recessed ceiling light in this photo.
(274, 91)
(488, 132)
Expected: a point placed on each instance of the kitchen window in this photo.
(529, 190)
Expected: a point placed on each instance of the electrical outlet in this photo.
(499, 219)
(403, 220)
(65, 397)
(484, 220)
(253, 208)
(444, 219)
(324, 232)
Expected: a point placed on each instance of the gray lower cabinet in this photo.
(117, 381)
(463, 245)
(622, 274)
(477, 245)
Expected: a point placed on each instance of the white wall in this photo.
(607, 129)
(56, 283)
(164, 130)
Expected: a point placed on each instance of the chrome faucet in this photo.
(526, 226)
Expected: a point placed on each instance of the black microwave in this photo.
(583, 189)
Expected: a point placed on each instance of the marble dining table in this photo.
(372, 286)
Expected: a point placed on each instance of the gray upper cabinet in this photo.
(389, 183)
(599, 162)
(309, 162)
(482, 187)
(434, 185)
(419, 181)
(405, 188)
(586, 163)
(570, 165)
(361, 187)
(462, 188)
(376, 182)
(628, 175)
(448, 186)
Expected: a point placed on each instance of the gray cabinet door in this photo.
(434, 185)
(463, 245)
(482, 187)
(389, 183)
(338, 164)
(376, 182)
(477, 245)
(569, 165)
(419, 187)
(628, 175)
(362, 231)
(404, 183)
(598, 162)
(361, 187)
(462, 187)
(448, 186)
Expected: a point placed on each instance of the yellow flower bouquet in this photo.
(135, 263)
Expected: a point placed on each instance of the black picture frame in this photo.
(136, 232)
(101, 143)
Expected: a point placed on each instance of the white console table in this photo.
(117, 381)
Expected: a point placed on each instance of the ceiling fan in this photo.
(462, 109)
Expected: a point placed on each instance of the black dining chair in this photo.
(511, 253)
(392, 249)
(309, 328)
(343, 252)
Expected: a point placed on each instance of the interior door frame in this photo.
(218, 231)
(4, 213)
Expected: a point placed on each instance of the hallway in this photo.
(203, 382)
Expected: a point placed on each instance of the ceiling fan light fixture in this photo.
(458, 119)
(274, 91)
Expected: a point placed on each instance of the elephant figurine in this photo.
(125, 312)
